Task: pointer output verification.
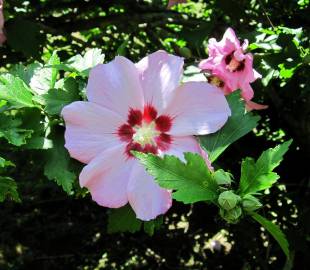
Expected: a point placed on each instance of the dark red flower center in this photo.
(146, 131)
(232, 64)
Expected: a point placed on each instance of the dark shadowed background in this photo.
(50, 230)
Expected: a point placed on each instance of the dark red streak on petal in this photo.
(149, 113)
(133, 147)
(134, 117)
(149, 148)
(163, 123)
(163, 141)
(125, 132)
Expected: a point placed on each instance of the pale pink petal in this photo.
(198, 108)
(247, 91)
(90, 129)
(116, 86)
(245, 45)
(238, 54)
(145, 196)
(236, 80)
(250, 105)
(249, 74)
(107, 176)
(160, 75)
(180, 145)
(229, 42)
(257, 75)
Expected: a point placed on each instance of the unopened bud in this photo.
(250, 203)
(228, 200)
(222, 178)
(231, 216)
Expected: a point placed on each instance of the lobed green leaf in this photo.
(191, 181)
(56, 99)
(8, 188)
(259, 175)
(15, 91)
(57, 165)
(239, 124)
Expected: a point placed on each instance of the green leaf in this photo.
(257, 176)
(238, 125)
(5, 163)
(8, 188)
(15, 91)
(56, 99)
(39, 143)
(275, 231)
(222, 178)
(151, 226)
(57, 165)
(40, 82)
(53, 61)
(25, 72)
(11, 131)
(123, 220)
(192, 181)
(43, 77)
(122, 50)
(84, 63)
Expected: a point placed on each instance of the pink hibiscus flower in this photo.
(171, 3)
(231, 68)
(138, 107)
(2, 35)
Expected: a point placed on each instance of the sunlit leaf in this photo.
(239, 124)
(191, 181)
(56, 99)
(15, 91)
(259, 175)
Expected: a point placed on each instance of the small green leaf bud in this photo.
(250, 203)
(222, 178)
(228, 200)
(231, 216)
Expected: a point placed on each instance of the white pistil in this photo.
(145, 134)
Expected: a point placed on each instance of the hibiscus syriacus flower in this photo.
(138, 107)
(2, 35)
(230, 67)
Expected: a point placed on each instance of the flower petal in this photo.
(107, 176)
(198, 108)
(250, 105)
(90, 129)
(145, 196)
(116, 86)
(160, 75)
